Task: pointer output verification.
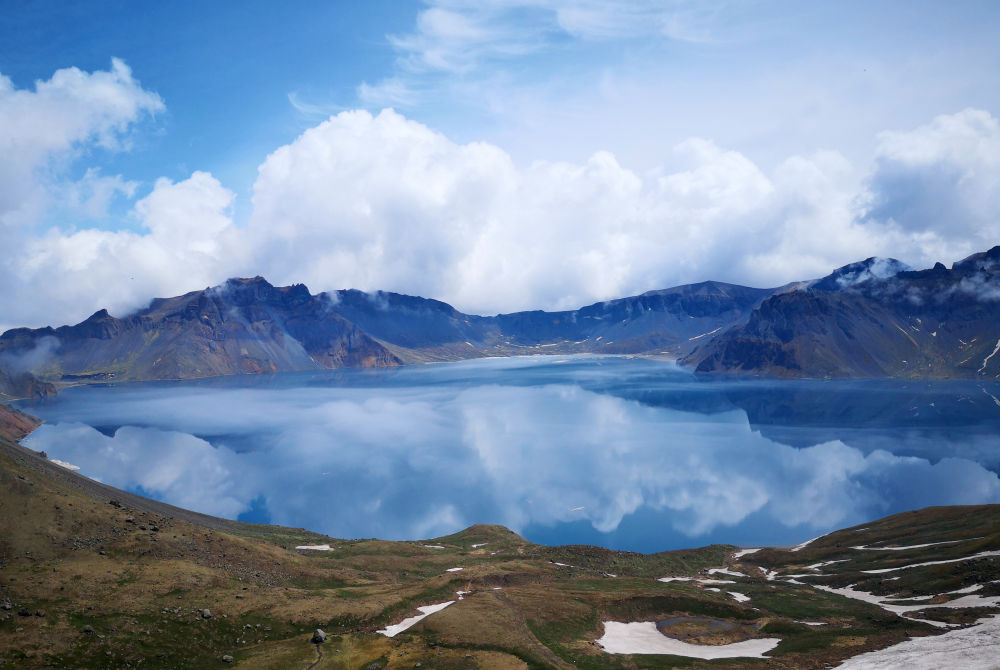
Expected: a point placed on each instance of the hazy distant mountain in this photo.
(872, 319)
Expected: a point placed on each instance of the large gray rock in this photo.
(319, 637)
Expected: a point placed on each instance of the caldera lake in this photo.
(622, 452)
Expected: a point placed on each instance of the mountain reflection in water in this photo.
(628, 453)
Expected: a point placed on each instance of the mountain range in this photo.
(874, 318)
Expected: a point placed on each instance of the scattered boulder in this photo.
(319, 637)
(87, 630)
(206, 613)
(226, 658)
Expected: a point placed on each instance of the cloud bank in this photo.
(385, 202)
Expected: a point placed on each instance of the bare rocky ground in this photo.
(93, 577)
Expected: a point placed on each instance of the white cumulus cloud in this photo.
(41, 129)
(382, 202)
(188, 242)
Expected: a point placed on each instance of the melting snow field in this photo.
(805, 544)
(973, 648)
(643, 638)
(889, 603)
(426, 611)
(912, 546)
(982, 554)
(314, 547)
(724, 571)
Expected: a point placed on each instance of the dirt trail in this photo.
(319, 657)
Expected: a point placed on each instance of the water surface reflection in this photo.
(626, 453)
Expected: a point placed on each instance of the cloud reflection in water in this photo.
(413, 461)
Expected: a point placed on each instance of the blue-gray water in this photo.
(627, 453)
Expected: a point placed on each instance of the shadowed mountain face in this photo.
(669, 321)
(243, 326)
(872, 319)
(249, 326)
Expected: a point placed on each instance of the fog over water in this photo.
(628, 453)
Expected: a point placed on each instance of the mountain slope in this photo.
(667, 321)
(936, 323)
(249, 326)
(243, 326)
(95, 577)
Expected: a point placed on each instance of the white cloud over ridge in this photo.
(384, 202)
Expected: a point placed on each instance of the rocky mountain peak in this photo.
(859, 272)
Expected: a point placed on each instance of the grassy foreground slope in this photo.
(92, 577)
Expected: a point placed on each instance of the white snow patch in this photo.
(982, 554)
(314, 547)
(886, 603)
(817, 566)
(724, 571)
(716, 581)
(454, 569)
(802, 546)
(434, 546)
(68, 466)
(643, 638)
(746, 552)
(987, 359)
(426, 611)
(739, 597)
(675, 579)
(712, 588)
(967, 589)
(812, 623)
(711, 332)
(481, 544)
(912, 546)
(973, 648)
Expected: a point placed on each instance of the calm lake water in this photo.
(627, 453)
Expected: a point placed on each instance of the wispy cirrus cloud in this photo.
(459, 35)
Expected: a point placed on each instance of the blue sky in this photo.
(541, 153)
